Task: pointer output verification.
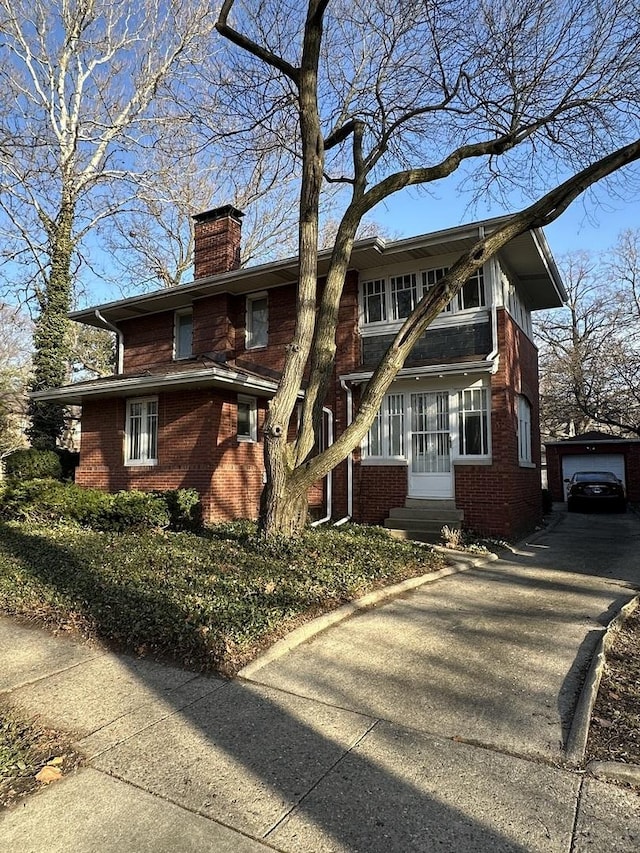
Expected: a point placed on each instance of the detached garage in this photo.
(593, 451)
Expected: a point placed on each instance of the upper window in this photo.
(395, 298)
(141, 431)
(375, 307)
(183, 334)
(524, 431)
(404, 295)
(474, 422)
(247, 426)
(257, 321)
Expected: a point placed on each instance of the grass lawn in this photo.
(207, 602)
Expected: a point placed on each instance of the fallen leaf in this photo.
(606, 724)
(56, 762)
(48, 774)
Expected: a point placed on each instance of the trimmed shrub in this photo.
(31, 463)
(134, 510)
(547, 501)
(50, 500)
(185, 509)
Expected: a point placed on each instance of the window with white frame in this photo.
(404, 295)
(385, 438)
(395, 298)
(141, 431)
(473, 419)
(183, 334)
(257, 321)
(524, 431)
(374, 301)
(247, 421)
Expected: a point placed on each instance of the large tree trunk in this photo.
(283, 504)
(51, 335)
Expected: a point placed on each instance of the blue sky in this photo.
(593, 222)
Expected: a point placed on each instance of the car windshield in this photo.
(598, 476)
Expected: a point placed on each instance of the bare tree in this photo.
(151, 240)
(385, 95)
(86, 79)
(590, 351)
(15, 361)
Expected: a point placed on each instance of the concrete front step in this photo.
(427, 525)
(445, 515)
(416, 535)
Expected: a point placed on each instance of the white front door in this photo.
(429, 445)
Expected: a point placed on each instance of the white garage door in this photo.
(613, 462)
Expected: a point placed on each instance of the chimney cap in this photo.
(219, 213)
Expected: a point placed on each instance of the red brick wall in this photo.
(217, 242)
(377, 489)
(504, 499)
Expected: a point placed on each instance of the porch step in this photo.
(448, 515)
(423, 520)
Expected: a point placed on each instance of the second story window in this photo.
(393, 299)
(257, 321)
(404, 295)
(183, 335)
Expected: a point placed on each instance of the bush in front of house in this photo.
(185, 509)
(29, 463)
(48, 500)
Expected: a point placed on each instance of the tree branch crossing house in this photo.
(457, 436)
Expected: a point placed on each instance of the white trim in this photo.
(121, 385)
(429, 371)
(379, 461)
(468, 317)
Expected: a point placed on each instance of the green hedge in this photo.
(31, 463)
(46, 500)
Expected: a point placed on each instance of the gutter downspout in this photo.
(493, 355)
(327, 517)
(120, 350)
(349, 395)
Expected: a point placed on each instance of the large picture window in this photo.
(385, 438)
(474, 422)
(141, 431)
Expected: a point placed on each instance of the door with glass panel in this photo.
(430, 468)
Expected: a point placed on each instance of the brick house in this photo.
(457, 436)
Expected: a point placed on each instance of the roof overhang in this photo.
(430, 371)
(528, 257)
(120, 386)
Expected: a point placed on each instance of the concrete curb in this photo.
(460, 562)
(577, 740)
(615, 771)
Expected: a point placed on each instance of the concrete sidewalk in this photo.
(435, 722)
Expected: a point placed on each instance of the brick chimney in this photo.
(217, 241)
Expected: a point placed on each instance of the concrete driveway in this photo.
(434, 722)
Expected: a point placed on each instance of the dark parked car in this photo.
(595, 488)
